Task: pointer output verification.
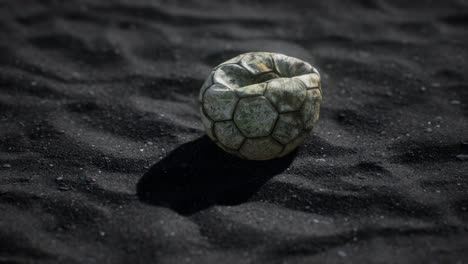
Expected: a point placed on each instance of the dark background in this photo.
(103, 158)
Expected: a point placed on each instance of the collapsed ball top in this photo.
(258, 67)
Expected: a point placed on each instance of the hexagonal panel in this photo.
(228, 134)
(255, 116)
(286, 94)
(219, 102)
(208, 82)
(288, 127)
(233, 76)
(208, 124)
(289, 66)
(251, 90)
(311, 80)
(257, 63)
(260, 148)
(311, 109)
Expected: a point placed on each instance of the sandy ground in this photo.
(103, 158)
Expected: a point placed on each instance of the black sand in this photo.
(103, 158)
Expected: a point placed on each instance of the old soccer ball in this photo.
(260, 105)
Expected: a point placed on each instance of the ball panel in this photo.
(219, 102)
(251, 90)
(289, 66)
(208, 124)
(208, 82)
(255, 116)
(286, 94)
(228, 135)
(311, 109)
(299, 140)
(300, 68)
(234, 60)
(311, 80)
(288, 127)
(257, 62)
(228, 150)
(233, 76)
(281, 63)
(266, 77)
(260, 148)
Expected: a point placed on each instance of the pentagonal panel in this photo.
(255, 116)
(299, 140)
(219, 102)
(260, 148)
(257, 62)
(228, 134)
(233, 76)
(288, 127)
(208, 124)
(208, 82)
(251, 90)
(288, 66)
(311, 109)
(311, 80)
(286, 94)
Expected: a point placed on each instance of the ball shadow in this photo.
(198, 175)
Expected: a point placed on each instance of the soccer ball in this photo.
(260, 105)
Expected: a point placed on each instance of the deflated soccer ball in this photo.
(260, 105)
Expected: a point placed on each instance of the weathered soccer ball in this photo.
(260, 105)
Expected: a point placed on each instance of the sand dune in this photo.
(103, 158)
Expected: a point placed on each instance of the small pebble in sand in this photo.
(341, 253)
(462, 157)
(429, 130)
(60, 178)
(455, 102)
(423, 89)
(6, 166)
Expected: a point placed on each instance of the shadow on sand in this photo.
(198, 175)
